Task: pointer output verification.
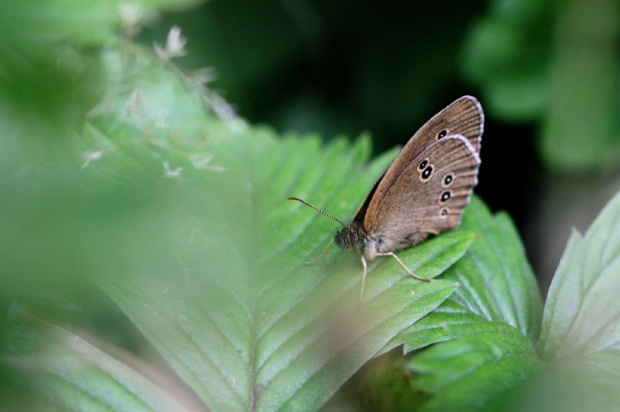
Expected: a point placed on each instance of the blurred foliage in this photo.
(556, 63)
(309, 66)
(150, 260)
(332, 67)
(144, 182)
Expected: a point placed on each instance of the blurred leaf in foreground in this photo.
(180, 217)
(581, 322)
(216, 283)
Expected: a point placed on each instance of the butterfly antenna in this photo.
(317, 209)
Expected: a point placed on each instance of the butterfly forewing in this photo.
(462, 117)
(429, 195)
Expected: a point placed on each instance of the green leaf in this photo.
(574, 387)
(48, 22)
(496, 285)
(485, 361)
(246, 324)
(496, 278)
(486, 331)
(582, 314)
(207, 259)
(78, 376)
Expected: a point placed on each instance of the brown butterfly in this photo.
(422, 192)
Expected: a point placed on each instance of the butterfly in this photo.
(424, 190)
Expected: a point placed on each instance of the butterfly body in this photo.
(424, 190)
(356, 239)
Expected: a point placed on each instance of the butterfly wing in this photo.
(428, 197)
(462, 117)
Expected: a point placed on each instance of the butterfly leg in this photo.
(321, 255)
(363, 278)
(403, 265)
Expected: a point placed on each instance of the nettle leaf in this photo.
(487, 360)
(497, 281)
(579, 338)
(582, 314)
(242, 320)
(496, 285)
(208, 262)
(485, 333)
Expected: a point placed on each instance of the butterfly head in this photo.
(352, 238)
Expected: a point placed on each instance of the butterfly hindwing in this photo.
(429, 196)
